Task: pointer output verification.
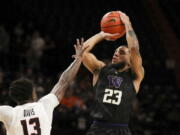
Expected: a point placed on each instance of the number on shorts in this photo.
(108, 95)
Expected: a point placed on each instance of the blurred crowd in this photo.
(171, 8)
(37, 42)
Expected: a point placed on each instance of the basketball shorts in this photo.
(99, 128)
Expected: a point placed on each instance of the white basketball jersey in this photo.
(31, 118)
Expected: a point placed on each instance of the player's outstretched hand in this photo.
(79, 49)
(108, 36)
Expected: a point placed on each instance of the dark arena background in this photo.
(52, 28)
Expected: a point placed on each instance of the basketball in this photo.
(111, 23)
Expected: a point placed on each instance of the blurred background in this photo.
(36, 41)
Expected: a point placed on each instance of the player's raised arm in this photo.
(89, 60)
(133, 45)
(69, 74)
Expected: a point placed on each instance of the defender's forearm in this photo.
(69, 74)
(65, 79)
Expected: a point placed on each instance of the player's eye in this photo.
(115, 51)
(122, 52)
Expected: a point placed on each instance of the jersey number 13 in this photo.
(109, 94)
(35, 123)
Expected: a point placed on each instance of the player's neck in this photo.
(118, 66)
(124, 69)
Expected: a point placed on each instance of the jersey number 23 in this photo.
(109, 94)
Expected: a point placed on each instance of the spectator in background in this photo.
(35, 51)
(4, 45)
(70, 100)
(19, 31)
(1, 77)
(4, 40)
(3, 90)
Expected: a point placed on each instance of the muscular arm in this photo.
(91, 42)
(132, 38)
(69, 74)
(133, 45)
(89, 60)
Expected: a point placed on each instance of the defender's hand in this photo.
(79, 49)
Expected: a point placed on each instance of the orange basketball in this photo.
(111, 23)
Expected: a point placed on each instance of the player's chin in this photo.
(114, 61)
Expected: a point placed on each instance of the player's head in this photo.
(121, 55)
(21, 90)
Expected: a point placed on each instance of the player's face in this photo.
(121, 54)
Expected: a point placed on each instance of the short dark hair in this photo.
(21, 90)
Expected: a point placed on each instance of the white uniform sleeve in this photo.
(6, 114)
(49, 102)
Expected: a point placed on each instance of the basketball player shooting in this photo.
(35, 118)
(115, 85)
